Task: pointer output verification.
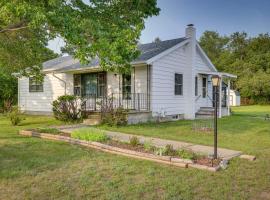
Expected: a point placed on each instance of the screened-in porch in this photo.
(103, 89)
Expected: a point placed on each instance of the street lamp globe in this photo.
(215, 80)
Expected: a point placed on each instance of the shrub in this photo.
(90, 134)
(134, 141)
(185, 154)
(165, 151)
(115, 117)
(48, 130)
(149, 146)
(168, 150)
(67, 108)
(15, 116)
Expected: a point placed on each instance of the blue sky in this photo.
(224, 16)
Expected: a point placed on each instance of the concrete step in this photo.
(200, 112)
(203, 116)
(91, 122)
(207, 108)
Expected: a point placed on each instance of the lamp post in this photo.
(215, 82)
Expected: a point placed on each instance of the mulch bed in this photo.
(207, 162)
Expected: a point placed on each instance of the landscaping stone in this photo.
(224, 164)
(248, 157)
(184, 163)
(180, 160)
(200, 149)
(203, 167)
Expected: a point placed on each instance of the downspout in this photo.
(65, 84)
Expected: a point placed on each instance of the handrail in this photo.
(210, 98)
(198, 97)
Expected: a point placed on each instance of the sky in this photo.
(223, 16)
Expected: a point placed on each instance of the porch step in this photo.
(92, 119)
(205, 113)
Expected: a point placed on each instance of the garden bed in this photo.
(166, 155)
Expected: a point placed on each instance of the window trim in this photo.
(35, 85)
(178, 84)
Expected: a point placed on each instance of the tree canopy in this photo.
(247, 57)
(109, 29)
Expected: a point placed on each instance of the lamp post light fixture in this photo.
(215, 82)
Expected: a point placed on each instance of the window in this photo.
(101, 84)
(196, 86)
(35, 85)
(204, 87)
(77, 84)
(126, 86)
(178, 84)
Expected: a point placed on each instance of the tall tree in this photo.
(248, 58)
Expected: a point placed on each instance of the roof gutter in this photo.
(65, 84)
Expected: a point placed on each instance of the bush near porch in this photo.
(32, 168)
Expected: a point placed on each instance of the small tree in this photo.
(67, 108)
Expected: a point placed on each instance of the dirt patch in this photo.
(139, 148)
(207, 162)
(265, 195)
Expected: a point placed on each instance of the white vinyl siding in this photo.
(163, 99)
(42, 101)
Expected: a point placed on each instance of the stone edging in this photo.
(184, 163)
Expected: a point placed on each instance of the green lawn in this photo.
(31, 168)
(245, 130)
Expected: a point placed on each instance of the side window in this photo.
(126, 86)
(196, 86)
(204, 87)
(178, 84)
(35, 85)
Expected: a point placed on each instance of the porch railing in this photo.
(130, 101)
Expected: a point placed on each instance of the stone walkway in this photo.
(201, 149)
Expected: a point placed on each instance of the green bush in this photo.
(114, 117)
(48, 130)
(149, 146)
(90, 134)
(168, 150)
(67, 108)
(185, 154)
(134, 141)
(15, 116)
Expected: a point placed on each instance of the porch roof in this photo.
(220, 74)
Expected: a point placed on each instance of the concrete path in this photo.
(201, 149)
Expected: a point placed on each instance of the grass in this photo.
(32, 168)
(48, 130)
(243, 131)
(90, 134)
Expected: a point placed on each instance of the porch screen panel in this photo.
(126, 86)
(77, 84)
(101, 84)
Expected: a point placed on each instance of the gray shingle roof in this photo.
(148, 51)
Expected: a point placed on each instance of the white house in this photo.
(171, 78)
(235, 98)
